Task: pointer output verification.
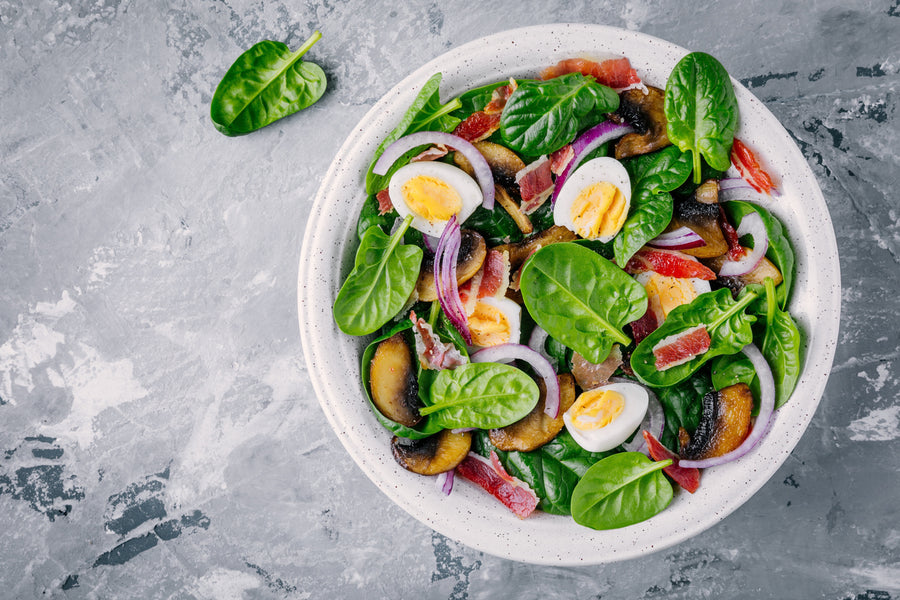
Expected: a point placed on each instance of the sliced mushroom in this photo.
(518, 252)
(703, 219)
(504, 163)
(646, 113)
(472, 252)
(589, 375)
(432, 455)
(536, 428)
(510, 206)
(393, 383)
(724, 423)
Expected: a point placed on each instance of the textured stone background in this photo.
(158, 434)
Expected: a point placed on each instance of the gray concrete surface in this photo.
(159, 436)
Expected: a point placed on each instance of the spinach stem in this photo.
(433, 314)
(770, 301)
(315, 37)
(447, 108)
(739, 306)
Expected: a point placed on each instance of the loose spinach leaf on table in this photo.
(543, 116)
(780, 251)
(482, 395)
(426, 113)
(266, 83)
(580, 298)
(653, 178)
(726, 321)
(621, 490)
(423, 429)
(382, 280)
(701, 110)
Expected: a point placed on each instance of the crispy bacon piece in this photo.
(670, 263)
(499, 98)
(735, 250)
(492, 279)
(745, 161)
(615, 72)
(681, 347)
(384, 202)
(433, 353)
(687, 478)
(512, 492)
(535, 184)
(644, 326)
(560, 159)
(478, 126)
(433, 153)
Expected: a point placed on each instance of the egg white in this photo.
(511, 311)
(468, 189)
(621, 428)
(597, 170)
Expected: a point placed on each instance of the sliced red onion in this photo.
(538, 342)
(745, 192)
(654, 421)
(682, 238)
(763, 420)
(752, 225)
(444, 481)
(431, 242)
(445, 278)
(588, 141)
(504, 353)
(482, 170)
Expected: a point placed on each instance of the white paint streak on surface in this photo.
(225, 584)
(877, 382)
(881, 425)
(884, 578)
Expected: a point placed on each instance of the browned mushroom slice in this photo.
(536, 428)
(724, 423)
(472, 252)
(504, 163)
(505, 200)
(518, 252)
(432, 455)
(703, 219)
(646, 113)
(392, 381)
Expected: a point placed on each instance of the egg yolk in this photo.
(488, 326)
(431, 198)
(596, 409)
(669, 292)
(598, 211)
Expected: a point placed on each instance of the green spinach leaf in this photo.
(621, 490)
(580, 298)
(482, 395)
(653, 178)
(683, 404)
(382, 280)
(780, 251)
(701, 111)
(726, 321)
(426, 113)
(543, 116)
(266, 83)
(474, 100)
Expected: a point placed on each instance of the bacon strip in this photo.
(516, 495)
(535, 184)
(735, 250)
(492, 279)
(687, 478)
(433, 153)
(478, 126)
(616, 73)
(644, 326)
(745, 162)
(384, 202)
(670, 263)
(681, 347)
(499, 97)
(432, 352)
(560, 159)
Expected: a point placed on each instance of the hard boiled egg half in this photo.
(664, 293)
(432, 192)
(594, 200)
(495, 321)
(605, 417)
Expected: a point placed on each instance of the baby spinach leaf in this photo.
(482, 395)
(780, 251)
(552, 470)
(683, 404)
(266, 83)
(423, 429)
(621, 490)
(426, 113)
(382, 280)
(726, 322)
(495, 225)
(543, 116)
(701, 110)
(580, 298)
(474, 100)
(732, 369)
(653, 178)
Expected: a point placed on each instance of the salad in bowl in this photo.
(575, 293)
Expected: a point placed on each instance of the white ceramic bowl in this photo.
(469, 515)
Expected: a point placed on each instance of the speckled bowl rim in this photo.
(468, 514)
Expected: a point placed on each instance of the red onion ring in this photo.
(584, 144)
(445, 278)
(444, 481)
(763, 420)
(654, 421)
(682, 238)
(752, 225)
(537, 342)
(483, 173)
(504, 353)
